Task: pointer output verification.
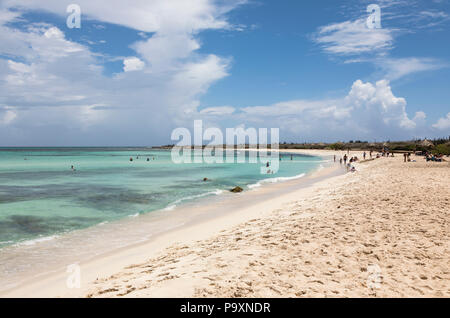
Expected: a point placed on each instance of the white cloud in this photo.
(7, 116)
(434, 14)
(368, 110)
(395, 68)
(54, 33)
(149, 16)
(378, 102)
(218, 111)
(419, 116)
(19, 67)
(163, 51)
(8, 16)
(443, 123)
(357, 43)
(353, 37)
(133, 64)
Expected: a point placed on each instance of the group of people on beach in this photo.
(348, 165)
(436, 158)
(429, 156)
(386, 153)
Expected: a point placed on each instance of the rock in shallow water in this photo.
(236, 189)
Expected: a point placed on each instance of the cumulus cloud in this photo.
(420, 116)
(443, 123)
(377, 101)
(133, 64)
(368, 110)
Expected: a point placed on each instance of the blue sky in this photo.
(134, 71)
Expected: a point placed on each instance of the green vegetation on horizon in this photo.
(436, 146)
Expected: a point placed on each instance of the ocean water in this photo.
(41, 196)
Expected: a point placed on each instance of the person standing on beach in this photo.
(340, 161)
(345, 159)
(334, 158)
(364, 155)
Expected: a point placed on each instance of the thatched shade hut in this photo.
(426, 143)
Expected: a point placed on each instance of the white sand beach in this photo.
(382, 231)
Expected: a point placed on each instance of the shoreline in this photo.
(43, 282)
(169, 207)
(379, 232)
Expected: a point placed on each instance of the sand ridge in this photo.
(379, 232)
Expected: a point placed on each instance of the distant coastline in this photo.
(438, 145)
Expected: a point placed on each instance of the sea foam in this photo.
(174, 204)
(274, 180)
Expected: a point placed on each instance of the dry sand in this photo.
(382, 231)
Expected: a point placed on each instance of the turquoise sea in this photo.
(41, 195)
